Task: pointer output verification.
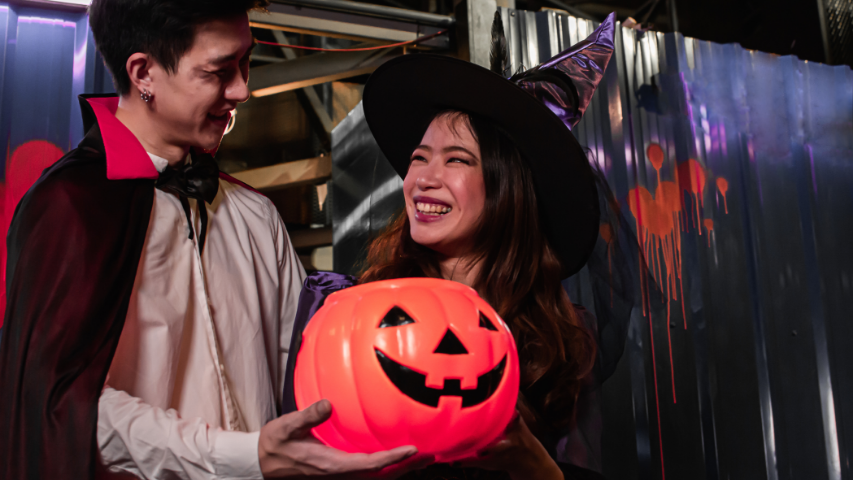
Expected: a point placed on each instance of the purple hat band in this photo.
(565, 83)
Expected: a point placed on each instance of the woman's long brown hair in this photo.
(519, 276)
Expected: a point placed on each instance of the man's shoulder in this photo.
(239, 184)
(245, 196)
(77, 181)
(78, 169)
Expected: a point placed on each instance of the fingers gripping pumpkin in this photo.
(416, 361)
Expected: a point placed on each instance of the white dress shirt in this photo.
(199, 367)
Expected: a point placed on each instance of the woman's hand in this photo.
(518, 453)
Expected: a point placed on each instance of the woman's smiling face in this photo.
(444, 188)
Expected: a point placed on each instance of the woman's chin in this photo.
(428, 241)
(429, 236)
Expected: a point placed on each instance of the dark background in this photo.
(783, 27)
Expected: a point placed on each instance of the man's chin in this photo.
(209, 143)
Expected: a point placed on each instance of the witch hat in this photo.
(537, 110)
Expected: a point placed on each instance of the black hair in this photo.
(164, 29)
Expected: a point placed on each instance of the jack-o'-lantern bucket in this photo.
(413, 361)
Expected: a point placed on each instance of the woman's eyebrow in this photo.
(457, 148)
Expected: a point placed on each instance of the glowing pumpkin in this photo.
(415, 361)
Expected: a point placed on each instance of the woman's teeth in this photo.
(432, 209)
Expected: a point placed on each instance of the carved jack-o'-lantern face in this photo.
(422, 362)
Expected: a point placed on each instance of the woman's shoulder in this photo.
(328, 282)
(316, 287)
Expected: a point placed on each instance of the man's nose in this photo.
(238, 89)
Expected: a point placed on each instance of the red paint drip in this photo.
(660, 231)
(709, 224)
(691, 177)
(657, 399)
(655, 154)
(660, 220)
(723, 187)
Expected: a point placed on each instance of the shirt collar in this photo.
(126, 157)
(161, 163)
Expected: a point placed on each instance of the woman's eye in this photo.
(418, 158)
(459, 160)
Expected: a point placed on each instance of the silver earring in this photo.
(146, 96)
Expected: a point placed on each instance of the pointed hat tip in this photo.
(606, 31)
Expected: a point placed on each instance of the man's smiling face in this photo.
(194, 102)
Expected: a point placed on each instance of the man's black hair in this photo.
(164, 29)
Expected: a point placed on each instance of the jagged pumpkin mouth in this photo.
(413, 384)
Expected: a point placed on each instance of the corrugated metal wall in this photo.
(838, 19)
(748, 373)
(47, 58)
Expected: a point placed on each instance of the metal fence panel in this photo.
(47, 59)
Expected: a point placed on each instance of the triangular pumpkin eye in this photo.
(395, 318)
(486, 323)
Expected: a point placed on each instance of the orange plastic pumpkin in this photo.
(413, 361)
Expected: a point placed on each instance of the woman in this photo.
(499, 196)
(471, 216)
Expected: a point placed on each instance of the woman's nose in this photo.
(428, 178)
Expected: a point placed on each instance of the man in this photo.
(150, 299)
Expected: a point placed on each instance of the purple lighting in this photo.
(81, 3)
(79, 69)
(47, 21)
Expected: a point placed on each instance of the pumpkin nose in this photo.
(450, 345)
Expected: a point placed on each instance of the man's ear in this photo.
(139, 70)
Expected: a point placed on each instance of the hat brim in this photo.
(403, 96)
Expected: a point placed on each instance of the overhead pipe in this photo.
(392, 13)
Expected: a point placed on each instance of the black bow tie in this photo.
(199, 180)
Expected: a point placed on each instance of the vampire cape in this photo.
(73, 250)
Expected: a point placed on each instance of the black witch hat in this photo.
(536, 109)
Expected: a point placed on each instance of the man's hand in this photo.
(287, 449)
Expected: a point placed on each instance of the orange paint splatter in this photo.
(655, 154)
(723, 187)
(691, 177)
(709, 224)
(658, 226)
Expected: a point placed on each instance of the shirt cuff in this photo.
(235, 455)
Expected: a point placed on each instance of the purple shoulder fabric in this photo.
(566, 83)
(316, 288)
